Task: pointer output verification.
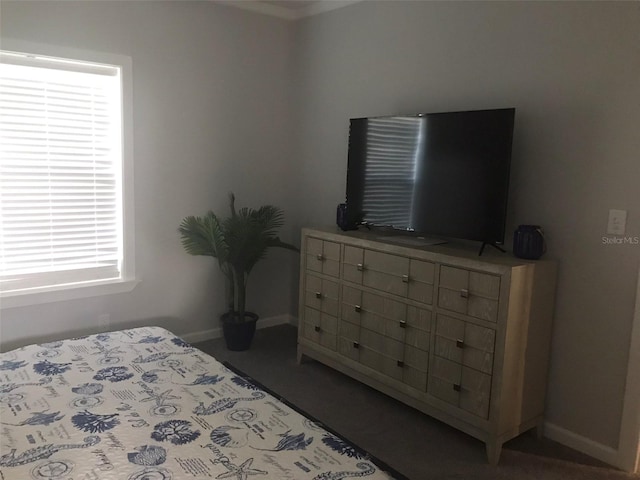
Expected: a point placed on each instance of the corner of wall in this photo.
(582, 444)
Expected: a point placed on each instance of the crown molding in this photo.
(325, 6)
(290, 14)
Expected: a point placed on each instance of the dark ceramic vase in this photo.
(239, 335)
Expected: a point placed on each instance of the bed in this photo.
(141, 404)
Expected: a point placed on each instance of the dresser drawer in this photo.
(347, 348)
(418, 329)
(374, 351)
(475, 394)
(421, 277)
(388, 366)
(348, 340)
(415, 378)
(323, 257)
(351, 308)
(381, 344)
(376, 313)
(386, 272)
(416, 358)
(416, 366)
(460, 386)
(417, 339)
(465, 343)
(320, 328)
(470, 293)
(387, 316)
(353, 264)
(390, 273)
(321, 294)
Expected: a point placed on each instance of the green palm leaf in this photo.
(238, 242)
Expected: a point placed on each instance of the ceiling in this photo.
(290, 9)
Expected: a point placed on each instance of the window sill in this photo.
(65, 292)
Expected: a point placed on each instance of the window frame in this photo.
(127, 280)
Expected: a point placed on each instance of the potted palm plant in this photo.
(238, 242)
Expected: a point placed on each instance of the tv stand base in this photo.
(497, 247)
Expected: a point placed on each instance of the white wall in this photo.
(201, 70)
(572, 71)
(211, 115)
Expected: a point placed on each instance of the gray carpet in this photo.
(416, 445)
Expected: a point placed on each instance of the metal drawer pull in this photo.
(464, 293)
(405, 278)
(317, 328)
(460, 343)
(403, 324)
(356, 345)
(358, 308)
(360, 267)
(320, 257)
(456, 387)
(318, 294)
(400, 363)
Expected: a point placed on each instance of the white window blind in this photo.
(60, 172)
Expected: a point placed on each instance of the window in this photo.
(63, 161)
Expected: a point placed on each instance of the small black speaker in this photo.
(342, 218)
(528, 242)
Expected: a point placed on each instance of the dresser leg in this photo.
(494, 449)
(299, 357)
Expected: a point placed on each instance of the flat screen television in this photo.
(436, 174)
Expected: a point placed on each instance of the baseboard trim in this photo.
(582, 444)
(204, 335)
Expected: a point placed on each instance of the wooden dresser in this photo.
(460, 337)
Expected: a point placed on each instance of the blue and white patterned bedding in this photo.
(142, 404)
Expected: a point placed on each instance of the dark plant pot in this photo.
(239, 335)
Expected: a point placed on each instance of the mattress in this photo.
(141, 404)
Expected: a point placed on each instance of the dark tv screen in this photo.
(443, 174)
